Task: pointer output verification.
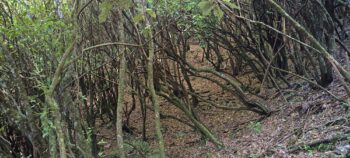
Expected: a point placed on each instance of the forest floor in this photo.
(300, 114)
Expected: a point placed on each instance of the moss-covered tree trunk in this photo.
(54, 107)
(121, 87)
(150, 83)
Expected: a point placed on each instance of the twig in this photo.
(165, 116)
(311, 82)
(110, 43)
(5, 140)
(343, 46)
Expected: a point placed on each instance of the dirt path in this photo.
(300, 115)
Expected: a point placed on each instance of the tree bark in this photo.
(121, 87)
(150, 83)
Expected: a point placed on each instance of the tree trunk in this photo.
(150, 83)
(121, 88)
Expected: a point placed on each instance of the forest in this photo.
(174, 78)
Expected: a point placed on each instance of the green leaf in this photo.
(230, 4)
(105, 7)
(123, 4)
(147, 30)
(100, 153)
(218, 12)
(206, 6)
(138, 18)
(101, 142)
(344, 105)
(151, 13)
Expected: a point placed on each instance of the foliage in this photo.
(254, 39)
(307, 148)
(208, 6)
(324, 147)
(344, 105)
(255, 126)
(107, 5)
(141, 146)
(209, 155)
(180, 134)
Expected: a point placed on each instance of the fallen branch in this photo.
(314, 143)
(223, 107)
